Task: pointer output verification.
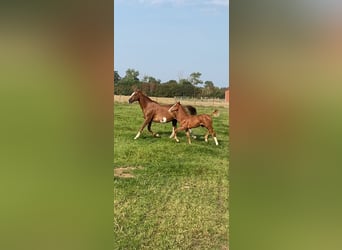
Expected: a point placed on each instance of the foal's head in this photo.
(134, 96)
(174, 107)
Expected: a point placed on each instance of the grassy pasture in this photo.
(169, 195)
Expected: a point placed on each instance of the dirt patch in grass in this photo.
(125, 172)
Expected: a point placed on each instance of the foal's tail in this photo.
(216, 113)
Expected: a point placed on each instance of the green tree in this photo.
(186, 88)
(132, 75)
(219, 92)
(117, 77)
(150, 84)
(208, 89)
(195, 78)
(149, 79)
(128, 83)
(168, 89)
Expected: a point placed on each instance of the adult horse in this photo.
(188, 122)
(155, 112)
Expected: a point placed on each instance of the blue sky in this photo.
(170, 39)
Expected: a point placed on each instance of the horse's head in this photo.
(174, 107)
(134, 96)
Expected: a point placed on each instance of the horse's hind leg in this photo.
(192, 135)
(215, 139)
(213, 134)
(206, 136)
(150, 130)
(174, 126)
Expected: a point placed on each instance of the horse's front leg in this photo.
(175, 133)
(142, 128)
(150, 130)
(187, 132)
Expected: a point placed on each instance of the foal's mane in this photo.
(181, 110)
(181, 107)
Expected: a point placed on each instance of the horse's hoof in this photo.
(194, 137)
(157, 135)
(137, 136)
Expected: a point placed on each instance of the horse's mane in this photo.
(187, 108)
(191, 110)
(146, 96)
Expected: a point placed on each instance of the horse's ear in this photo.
(178, 102)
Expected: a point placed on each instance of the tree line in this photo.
(192, 86)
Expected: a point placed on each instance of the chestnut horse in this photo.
(155, 112)
(188, 122)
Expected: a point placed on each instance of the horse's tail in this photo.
(216, 113)
(191, 110)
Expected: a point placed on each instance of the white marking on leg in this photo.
(137, 136)
(215, 139)
(193, 136)
(173, 132)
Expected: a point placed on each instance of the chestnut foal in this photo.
(188, 122)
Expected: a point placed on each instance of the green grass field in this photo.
(171, 195)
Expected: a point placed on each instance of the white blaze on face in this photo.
(132, 94)
(170, 109)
